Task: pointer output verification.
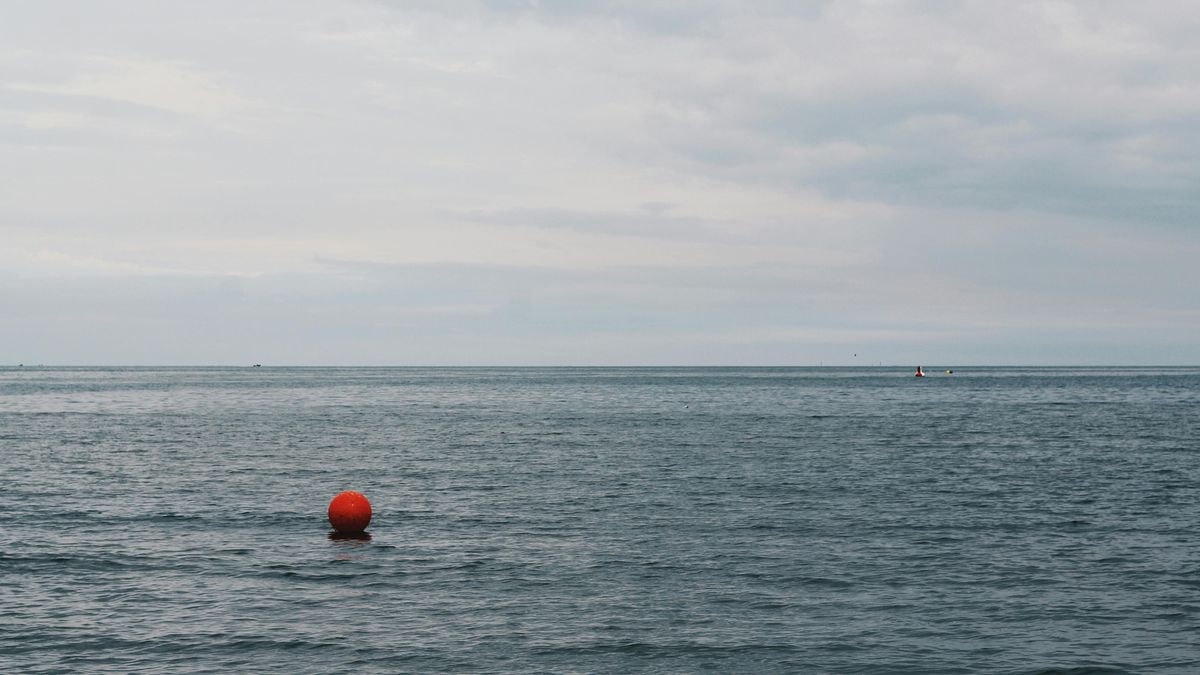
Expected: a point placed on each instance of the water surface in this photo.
(601, 520)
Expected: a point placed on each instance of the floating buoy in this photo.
(349, 512)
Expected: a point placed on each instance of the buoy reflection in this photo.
(349, 536)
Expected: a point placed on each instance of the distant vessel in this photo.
(919, 372)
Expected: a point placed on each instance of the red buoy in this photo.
(349, 512)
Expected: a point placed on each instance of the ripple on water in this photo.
(600, 520)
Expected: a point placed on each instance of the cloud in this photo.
(603, 181)
(173, 87)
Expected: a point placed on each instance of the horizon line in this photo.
(547, 366)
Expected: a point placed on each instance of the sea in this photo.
(601, 520)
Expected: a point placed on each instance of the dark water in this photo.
(601, 520)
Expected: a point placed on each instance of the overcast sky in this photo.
(642, 182)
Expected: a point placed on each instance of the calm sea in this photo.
(997, 520)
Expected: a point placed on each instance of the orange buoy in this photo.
(349, 512)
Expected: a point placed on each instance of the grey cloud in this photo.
(599, 182)
(652, 221)
(1019, 141)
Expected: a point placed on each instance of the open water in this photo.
(601, 520)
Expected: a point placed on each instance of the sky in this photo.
(599, 183)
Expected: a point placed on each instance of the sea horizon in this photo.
(508, 336)
(1123, 366)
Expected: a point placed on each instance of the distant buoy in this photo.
(349, 512)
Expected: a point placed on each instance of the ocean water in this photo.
(997, 520)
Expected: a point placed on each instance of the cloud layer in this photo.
(600, 183)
